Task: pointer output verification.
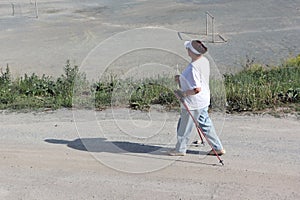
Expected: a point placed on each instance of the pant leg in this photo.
(208, 129)
(184, 129)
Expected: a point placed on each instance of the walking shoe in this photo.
(176, 153)
(219, 152)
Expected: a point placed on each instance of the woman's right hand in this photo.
(177, 78)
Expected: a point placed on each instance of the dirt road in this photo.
(43, 156)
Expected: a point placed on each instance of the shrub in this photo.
(257, 87)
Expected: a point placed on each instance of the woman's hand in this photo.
(177, 80)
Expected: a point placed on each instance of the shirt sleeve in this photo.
(196, 78)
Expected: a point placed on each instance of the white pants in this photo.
(186, 124)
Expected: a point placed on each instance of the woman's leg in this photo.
(184, 129)
(208, 129)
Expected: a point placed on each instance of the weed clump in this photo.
(258, 87)
(33, 92)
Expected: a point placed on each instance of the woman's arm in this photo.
(192, 92)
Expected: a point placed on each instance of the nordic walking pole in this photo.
(200, 131)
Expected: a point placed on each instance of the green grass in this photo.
(136, 94)
(255, 88)
(258, 87)
(34, 92)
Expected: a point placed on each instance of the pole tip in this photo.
(221, 161)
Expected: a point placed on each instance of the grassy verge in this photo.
(137, 94)
(256, 88)
(33, 92)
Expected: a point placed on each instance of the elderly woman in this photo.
(194, 90)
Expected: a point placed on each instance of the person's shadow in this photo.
(102, 145)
